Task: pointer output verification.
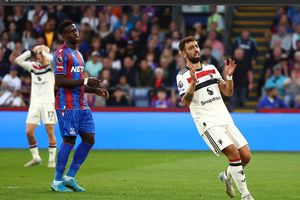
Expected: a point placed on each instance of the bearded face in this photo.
(194, 59)
(192, 51)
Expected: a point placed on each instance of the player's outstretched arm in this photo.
(62, 81)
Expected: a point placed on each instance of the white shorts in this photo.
(218, 138)
(46, 112)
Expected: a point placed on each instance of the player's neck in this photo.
(72, 46)
(190, 64)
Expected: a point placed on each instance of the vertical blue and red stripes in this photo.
(71, 98)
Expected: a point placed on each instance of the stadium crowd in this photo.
(134, 51)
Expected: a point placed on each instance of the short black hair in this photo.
(184, 41)
(63, 25)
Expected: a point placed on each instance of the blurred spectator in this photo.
(49, 32)
(296, 18)
(17, 99)
(128, 70)
(297, 102)
(217, 18)
(293, 51)
(104, 33)
(125, 87)
(176, 37)
(199, 34)
(218, 49)
(213, 27)
(150, 57)
(4, 46)
(107, 16)
(161, 100)
(138, 41)
(145, 23)
(293, 89)
(26, 88)
(119, 41)
(151, 12)
(108, 73)
(118, 99)
(89, 16)
(19, 18)
(158, 81)
(13, 33)
(124, 25)
(242, 78)
(2, 18)
(10, 83)
(284, 37)
(271, 59)
(116, 62)
(151, 48)
(283, 62)
(207, 58)
(172, 27)
(271, 100)
(93, 65)
(15, 53)
(135, 14)
(280, 81)
(157, 34)
(286, 22)
(144, 75)
(164, 14)
(29, 36)
(52, 12)
(85, 37)
(97, 45)
(169, 73)
(130, 51)
(249, 46)
(37, 15)
(280, 12)
(4, 64)
(296, 36)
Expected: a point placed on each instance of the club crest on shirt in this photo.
(59, 59)
(72, 131)
(180, 84)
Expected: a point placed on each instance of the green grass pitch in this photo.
(151, 175)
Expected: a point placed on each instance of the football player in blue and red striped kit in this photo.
(73, 113)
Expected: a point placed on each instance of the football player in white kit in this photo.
(200, 87)
(41, 100)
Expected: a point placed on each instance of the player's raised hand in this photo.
(102, 92)
(229, 66)
(93, 82)
(192, 73)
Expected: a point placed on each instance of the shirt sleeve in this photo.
(60, 62)
(182, 85)
(21, 60)
(48, 56)
(218, 75)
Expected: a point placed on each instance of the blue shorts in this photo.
(74, 122)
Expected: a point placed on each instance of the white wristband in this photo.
(85, 81)
(228, 77)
